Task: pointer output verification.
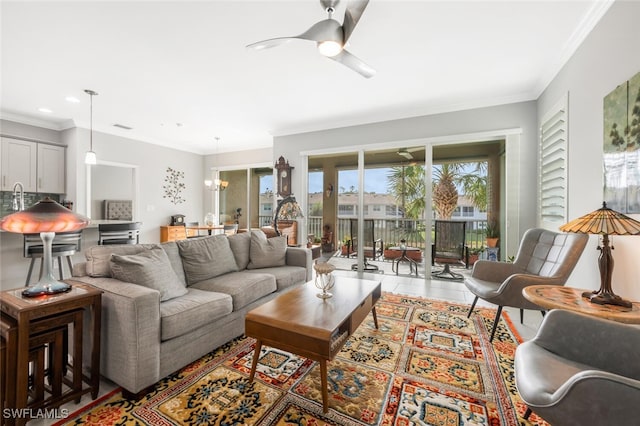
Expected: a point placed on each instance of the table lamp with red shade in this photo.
(45, 217)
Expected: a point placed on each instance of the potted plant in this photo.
(474, 254)
(345, 250)
(492, 233)
(390, 253)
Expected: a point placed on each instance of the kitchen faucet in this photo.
(18, 189)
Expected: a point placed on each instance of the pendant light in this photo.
(90, 157)
(217, 184)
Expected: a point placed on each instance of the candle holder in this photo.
(324, 279)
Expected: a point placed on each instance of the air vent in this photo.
(122, 126)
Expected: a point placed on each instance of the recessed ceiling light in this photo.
(72, 99)
(45, 110)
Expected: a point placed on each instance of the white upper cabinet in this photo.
(51, 169)
(19, 161)
(39, 167)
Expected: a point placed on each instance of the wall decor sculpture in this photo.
(622, 147)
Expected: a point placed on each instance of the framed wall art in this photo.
(622, 147)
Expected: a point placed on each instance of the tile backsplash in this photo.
(30, 198)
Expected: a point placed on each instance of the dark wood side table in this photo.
(560, 297)
(26, 310)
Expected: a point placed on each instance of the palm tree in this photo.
(406, 183)
(447, 178)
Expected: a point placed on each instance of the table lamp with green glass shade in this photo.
(45, 217)
(605, 222)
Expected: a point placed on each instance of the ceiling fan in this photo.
(407, 153)
(330, 36)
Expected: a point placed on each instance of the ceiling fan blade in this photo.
(327, 29)
(268, 44)
(350, 61)
(352, 15)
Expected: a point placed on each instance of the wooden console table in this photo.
(561, 297)
(301, 323)
(26, 310)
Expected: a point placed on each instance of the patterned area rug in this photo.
(426, 365)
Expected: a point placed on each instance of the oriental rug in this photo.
(427, 364)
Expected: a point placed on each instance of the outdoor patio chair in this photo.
(449, 248)
(371, 244)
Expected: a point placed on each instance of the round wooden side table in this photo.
(560, 297)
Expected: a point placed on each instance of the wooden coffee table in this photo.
(301, 323)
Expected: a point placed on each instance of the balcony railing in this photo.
(391, 231)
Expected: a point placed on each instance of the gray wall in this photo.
(608, 57)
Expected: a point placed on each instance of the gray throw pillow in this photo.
(240, 246)
(151, 269)
(266, 252)
(205, 258)
(99, 257)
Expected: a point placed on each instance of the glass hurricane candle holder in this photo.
(324, 279)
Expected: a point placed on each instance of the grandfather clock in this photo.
(284, 177)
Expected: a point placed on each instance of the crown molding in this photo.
(579, 35)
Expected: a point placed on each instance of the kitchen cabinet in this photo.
(40, 167)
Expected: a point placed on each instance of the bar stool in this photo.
(65, 244)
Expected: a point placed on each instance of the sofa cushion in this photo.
(266, 252)
(244, 287)
(150, 268)
(196, 308)
(99, 257)
(205, 258)
(173, 253)
(240, 246)
(286, 276)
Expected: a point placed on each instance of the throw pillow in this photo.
(240, 246)
(266, 252)
(205, 258)
(99, 257)
(151, 269)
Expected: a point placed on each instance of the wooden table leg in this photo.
(375, 317)
(22, 365)
(77, 354)
(96, 321)
(323, 381)
(256, 357)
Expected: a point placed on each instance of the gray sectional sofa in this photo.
(165, 305)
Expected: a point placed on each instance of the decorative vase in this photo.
(324, 279)
(208, 219)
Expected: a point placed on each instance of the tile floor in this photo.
(400, 284)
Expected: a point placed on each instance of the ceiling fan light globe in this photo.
(329, 48)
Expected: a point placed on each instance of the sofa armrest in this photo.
(130, 354)
(299, 256)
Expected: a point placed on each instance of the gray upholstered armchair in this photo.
(580, 370)
(544, 257)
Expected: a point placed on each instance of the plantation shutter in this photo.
(553, 165)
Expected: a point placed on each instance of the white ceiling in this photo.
(179, 74)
